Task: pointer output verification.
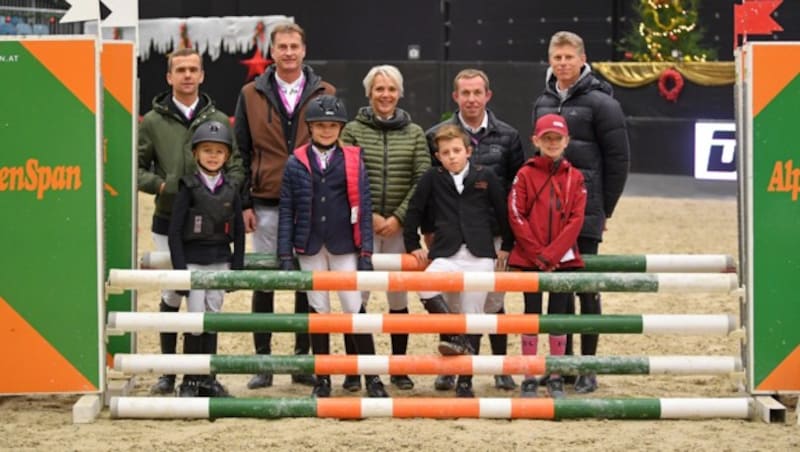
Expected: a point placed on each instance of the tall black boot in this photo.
(352, 383)
(499, 343)
(263, 303)
(365, 345)
(320, 344)
(168, 342)
(192, 344)
(301, 340)
(302, 343)
(399, 347)
(211, 387)
(590, 304)
(451, 345)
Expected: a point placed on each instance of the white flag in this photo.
(124, 13)
(81, 10)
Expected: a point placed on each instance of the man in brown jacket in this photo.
(270, 124)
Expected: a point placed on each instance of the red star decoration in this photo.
(255, 65)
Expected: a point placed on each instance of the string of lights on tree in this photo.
(667, 30)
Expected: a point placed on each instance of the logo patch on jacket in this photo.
(481, 185)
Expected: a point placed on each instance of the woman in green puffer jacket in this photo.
(396, 155)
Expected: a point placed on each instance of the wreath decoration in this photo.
(670, 77)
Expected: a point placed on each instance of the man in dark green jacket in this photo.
(165, 155)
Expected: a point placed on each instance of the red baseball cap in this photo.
(551, 123)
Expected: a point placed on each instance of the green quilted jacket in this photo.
(395, 154)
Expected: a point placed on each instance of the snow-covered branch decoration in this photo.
(211, 35)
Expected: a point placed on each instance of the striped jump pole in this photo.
(623, 263)
(422, 281)
(432, 408)
(425, 365)
(686, 324)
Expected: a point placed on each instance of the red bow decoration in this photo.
(754, 17)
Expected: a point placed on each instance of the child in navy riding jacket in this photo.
(325, 218)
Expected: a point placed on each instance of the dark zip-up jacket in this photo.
(396, 156)
(598, 143)
(267, 134)
(165, 152)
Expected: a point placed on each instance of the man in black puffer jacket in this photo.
(598, 147)
(495, 145)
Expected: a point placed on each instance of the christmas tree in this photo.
(667, 30)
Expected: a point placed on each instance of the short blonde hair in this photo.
(471, 73)
(287, 27)
(449, 132)
(566, 38)
(386, 70)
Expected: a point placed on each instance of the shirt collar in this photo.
(185, 109)
(483, 125)
(287, 87)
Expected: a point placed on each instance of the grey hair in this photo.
(563, 38)
(386, 70)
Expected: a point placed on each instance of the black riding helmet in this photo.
(326, 108)
(212, 131)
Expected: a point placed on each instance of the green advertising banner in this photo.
(50, 274)
(119, 122)
(772, 153)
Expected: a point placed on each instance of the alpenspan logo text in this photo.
(38, 178)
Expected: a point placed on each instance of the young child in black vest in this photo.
(460, 200)
(206, 218)
(325, 218)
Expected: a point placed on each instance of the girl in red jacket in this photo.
(545, 209)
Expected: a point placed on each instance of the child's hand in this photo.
(422, 256)
(365, 264)
(501, 264)
(250, 221)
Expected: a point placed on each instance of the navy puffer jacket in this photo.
(598, 144)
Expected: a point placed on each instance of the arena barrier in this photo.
(425, 365)
(421, 281)
(199, 322)
(621, 263)
(434, 408)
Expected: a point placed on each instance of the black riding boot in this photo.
(456, 344)
(168, 342)
(262, 302)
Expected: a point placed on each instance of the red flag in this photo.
(754, 17)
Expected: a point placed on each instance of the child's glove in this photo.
(287, 264)
(365, 264)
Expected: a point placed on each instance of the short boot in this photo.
(168, 341)
(450, 345)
